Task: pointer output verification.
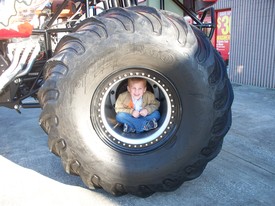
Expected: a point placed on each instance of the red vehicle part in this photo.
(24, 30)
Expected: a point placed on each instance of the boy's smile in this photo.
(136, 89)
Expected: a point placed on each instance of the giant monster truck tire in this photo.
(88, 71)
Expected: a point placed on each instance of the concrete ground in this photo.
(242, 174)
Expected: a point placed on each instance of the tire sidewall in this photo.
(187, 76)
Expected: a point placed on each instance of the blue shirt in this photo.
(137, 104)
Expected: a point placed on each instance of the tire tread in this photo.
(129, 20)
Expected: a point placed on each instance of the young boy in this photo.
(137, 109)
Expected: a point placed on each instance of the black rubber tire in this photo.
(89, 69)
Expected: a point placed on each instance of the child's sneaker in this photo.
(152, 124)
(128, 129)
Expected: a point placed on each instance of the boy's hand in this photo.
(135, 114)
(143, 112)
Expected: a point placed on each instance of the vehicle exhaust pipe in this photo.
(21, 52)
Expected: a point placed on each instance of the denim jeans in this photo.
(136, 123)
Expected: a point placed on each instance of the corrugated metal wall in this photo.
(252, 44)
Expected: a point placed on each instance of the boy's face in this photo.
(136, 89)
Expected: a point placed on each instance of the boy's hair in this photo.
(137, 79)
